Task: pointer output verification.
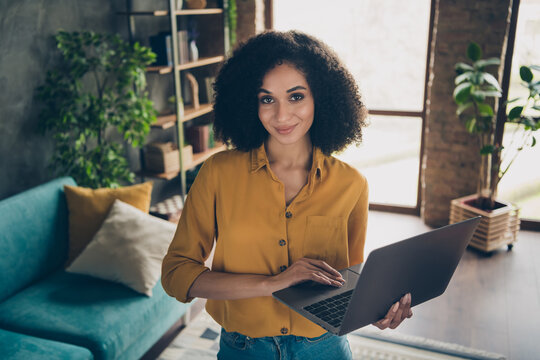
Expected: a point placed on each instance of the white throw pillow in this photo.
(128, 248)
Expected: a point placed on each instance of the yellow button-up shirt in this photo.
(238, 201)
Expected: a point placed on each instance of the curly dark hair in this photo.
(339, 112)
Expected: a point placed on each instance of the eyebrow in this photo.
(290, 90)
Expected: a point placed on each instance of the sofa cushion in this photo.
(33, 235)
(128, 248)
(23, 347)
(88, 208)
(103, 316)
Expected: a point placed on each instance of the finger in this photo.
(406, 306)
(382, 324)
(397, 319)
(379, 325)
(387, 320)
(321, 278)
(402, 312)
(326, 273)
(324, 266)
(390, 315)
(407, 312)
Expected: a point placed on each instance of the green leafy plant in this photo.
(233, 16)
(97, 91)
(475, 94)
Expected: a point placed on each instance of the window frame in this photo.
(526, 224)
(395, 208)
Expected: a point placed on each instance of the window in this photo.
(521, 184)
(384, 45)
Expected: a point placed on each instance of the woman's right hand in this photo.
(306, 269)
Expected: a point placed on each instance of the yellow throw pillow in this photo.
(88, 208)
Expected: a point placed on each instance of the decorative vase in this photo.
(498, 227)
(193, 51)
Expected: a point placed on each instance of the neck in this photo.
(298, 154)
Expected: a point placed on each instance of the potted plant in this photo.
(475, 94)
(93, 101)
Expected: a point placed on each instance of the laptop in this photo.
(421, 265)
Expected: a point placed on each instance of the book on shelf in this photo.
(198, 137)
(183, 47)
(186, 89)
(161, 44)
(207, 91)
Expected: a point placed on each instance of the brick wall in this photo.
(250, 19)
(451, 158)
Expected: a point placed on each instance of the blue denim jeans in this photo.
(235, 346)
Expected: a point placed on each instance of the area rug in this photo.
(200, 341)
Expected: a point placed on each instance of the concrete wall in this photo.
(451, 156)
(27, 50)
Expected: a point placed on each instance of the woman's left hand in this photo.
(397, 313)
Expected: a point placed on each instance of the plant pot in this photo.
(497, 228)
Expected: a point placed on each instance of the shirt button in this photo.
(282, 242)
(288, 214)
(282, 268)
(284, 330)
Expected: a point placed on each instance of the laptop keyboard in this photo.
(331, 310)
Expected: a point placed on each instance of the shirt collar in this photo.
(259, 159)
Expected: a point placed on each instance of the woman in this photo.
(280, 208)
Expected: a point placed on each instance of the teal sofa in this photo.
(46, 312)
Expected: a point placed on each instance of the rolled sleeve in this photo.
(194, 238)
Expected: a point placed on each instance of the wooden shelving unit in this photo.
(190, 65)
(190, 113)
(199, 158)
(168, 121)
(210, 32)
(208, 11)
(165, 121)
(163, 176)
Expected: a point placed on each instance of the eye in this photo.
(266, 100)
(297, 97)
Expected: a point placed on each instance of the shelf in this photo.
(189, 65)
(167, 121)
(177, 12)
(209, 11)
(191, 113)
(202, 62)
(199, 158)
(159, 69)
(165, 176)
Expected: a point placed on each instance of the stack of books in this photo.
(161, 44)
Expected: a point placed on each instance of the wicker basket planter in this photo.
(498, 227)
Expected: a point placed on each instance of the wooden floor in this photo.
(492, 302)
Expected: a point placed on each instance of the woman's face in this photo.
(286, 106)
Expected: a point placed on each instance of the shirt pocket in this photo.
(326, 239)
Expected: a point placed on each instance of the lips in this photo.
(285, 130)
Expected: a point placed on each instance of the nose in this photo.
(284, 112)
